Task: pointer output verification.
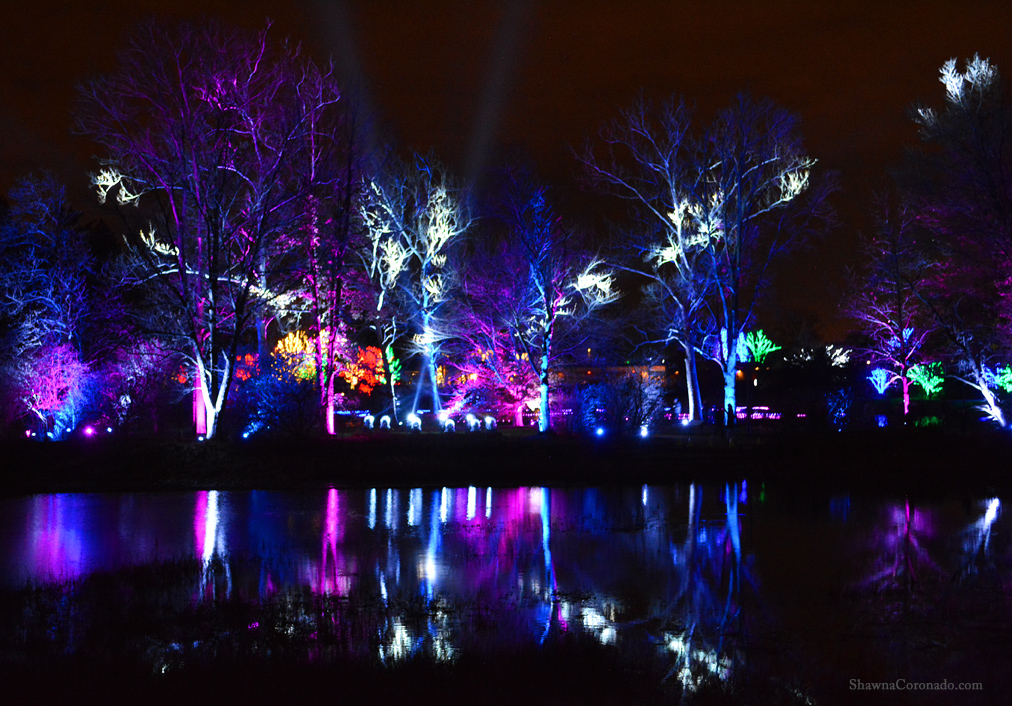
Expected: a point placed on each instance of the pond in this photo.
(830, 594)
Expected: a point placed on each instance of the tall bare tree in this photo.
(414, 217)
(715, 208)
(202, 125)
(886, 297)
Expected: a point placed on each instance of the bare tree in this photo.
(202, 126)
(886, 297)
(45, 305)
(413, 218)
(961, 186)
(717, 208)
(548, 285)
(755, 199)
(647, 157)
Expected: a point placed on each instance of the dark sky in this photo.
(471, 80)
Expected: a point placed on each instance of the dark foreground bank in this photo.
(922, 461)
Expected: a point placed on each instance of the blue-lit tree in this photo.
(646, 156)
(45, 263)
(552, 284)
(755, 199)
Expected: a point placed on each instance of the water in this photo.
(707, 578)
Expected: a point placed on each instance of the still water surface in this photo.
(868, 588)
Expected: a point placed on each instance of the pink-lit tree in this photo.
(203, 128)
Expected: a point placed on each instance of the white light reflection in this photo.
(210, 540)
(444, 501)
(388, 514)
(372, 508)
(415, 507)
(979, 535)
(488, 503)
(471, 493)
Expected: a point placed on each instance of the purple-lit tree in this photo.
(203, 127)
(961, 187)
(414, 218)
(535, 283)
(44, 304)
(886, 298)
(324, 283)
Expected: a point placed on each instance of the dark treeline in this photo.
(259, 268)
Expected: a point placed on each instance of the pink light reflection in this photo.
(334, 576)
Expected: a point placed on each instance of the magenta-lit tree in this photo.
(886, 297)
(205, 130)
(960, 184)
(325, 285)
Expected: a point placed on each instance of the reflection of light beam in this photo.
(488, 503)
(471, 491)
(372, 508)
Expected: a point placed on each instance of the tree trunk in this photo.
(695, 401)
(544, 413)
(730, 401)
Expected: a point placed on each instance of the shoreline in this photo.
(911, 461)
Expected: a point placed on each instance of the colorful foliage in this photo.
(929, 376)
(367, 371)
(760, 345)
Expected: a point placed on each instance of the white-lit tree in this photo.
(413, 219)
(754, 198)
(647, 157)
(717, 208)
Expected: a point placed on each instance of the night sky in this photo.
(476, 80)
